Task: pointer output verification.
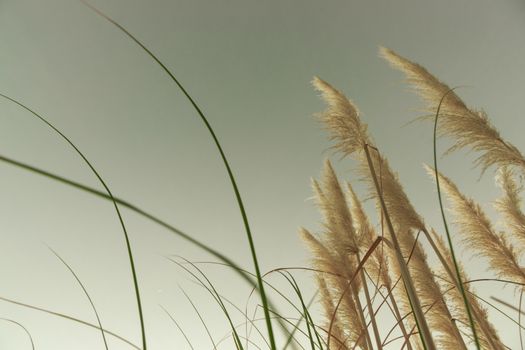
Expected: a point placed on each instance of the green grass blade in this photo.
(304, 314)
(103, 183)
(445, 224)
(85, 293)
(224, 159)
(248, 273)
(179, 327)
(134, 208)
(200, 317)
(70, 318)
(23, 328)
(211, 289)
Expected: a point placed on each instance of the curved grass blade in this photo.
(200, 317)
(248, 320)
(134, 208)
(23, 328)
(211, 289)
(305, 315)
(122, 202)
(103, 183)
(309, 320)
(85, 293)
(70, 318)
(179, 327)
(248, 273)
(252, 321)
(224, 160)
(449, 239)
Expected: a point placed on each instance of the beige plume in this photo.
(327, 302)
(509, 205)
(478, 234)
(345, 127)
(336, 273)
(467, 127)
(342, 120)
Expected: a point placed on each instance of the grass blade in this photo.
(200, 318)
(23, 328)
(70, 318)
(449, 239)
(211, 289)
(135, 209)
(103, 183)
(85, 293)
(179, 327)
(224, 159)
(305, 315)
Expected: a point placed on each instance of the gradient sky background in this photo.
(249, 65)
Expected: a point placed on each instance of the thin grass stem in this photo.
(421, 323)
(121, 220)
(70, 318)
(23, 328)
(231, 176)
(85, 293)
(449, 239)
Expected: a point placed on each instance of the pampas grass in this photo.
(478, 233)
(364, 278)
(434, 303)
(467, 127)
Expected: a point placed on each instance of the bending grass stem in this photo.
(70, 318)
(224, 159)
(23, 328)
(85, 293)
(421, 323)
(449, 239)
(124, 203)
(121, 220)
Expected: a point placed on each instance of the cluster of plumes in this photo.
(348, 234)
(336, 258)
(471, 129)
(342, 119)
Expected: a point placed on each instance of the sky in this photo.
(248, 64)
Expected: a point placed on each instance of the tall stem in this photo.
(421, 322)
(370, 308)
(399, 319)
(449, 239)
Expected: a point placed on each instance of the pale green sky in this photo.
(248, 64)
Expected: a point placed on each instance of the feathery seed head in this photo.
(468, 128)
(342, 120)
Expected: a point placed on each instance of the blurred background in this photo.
(248, 64)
